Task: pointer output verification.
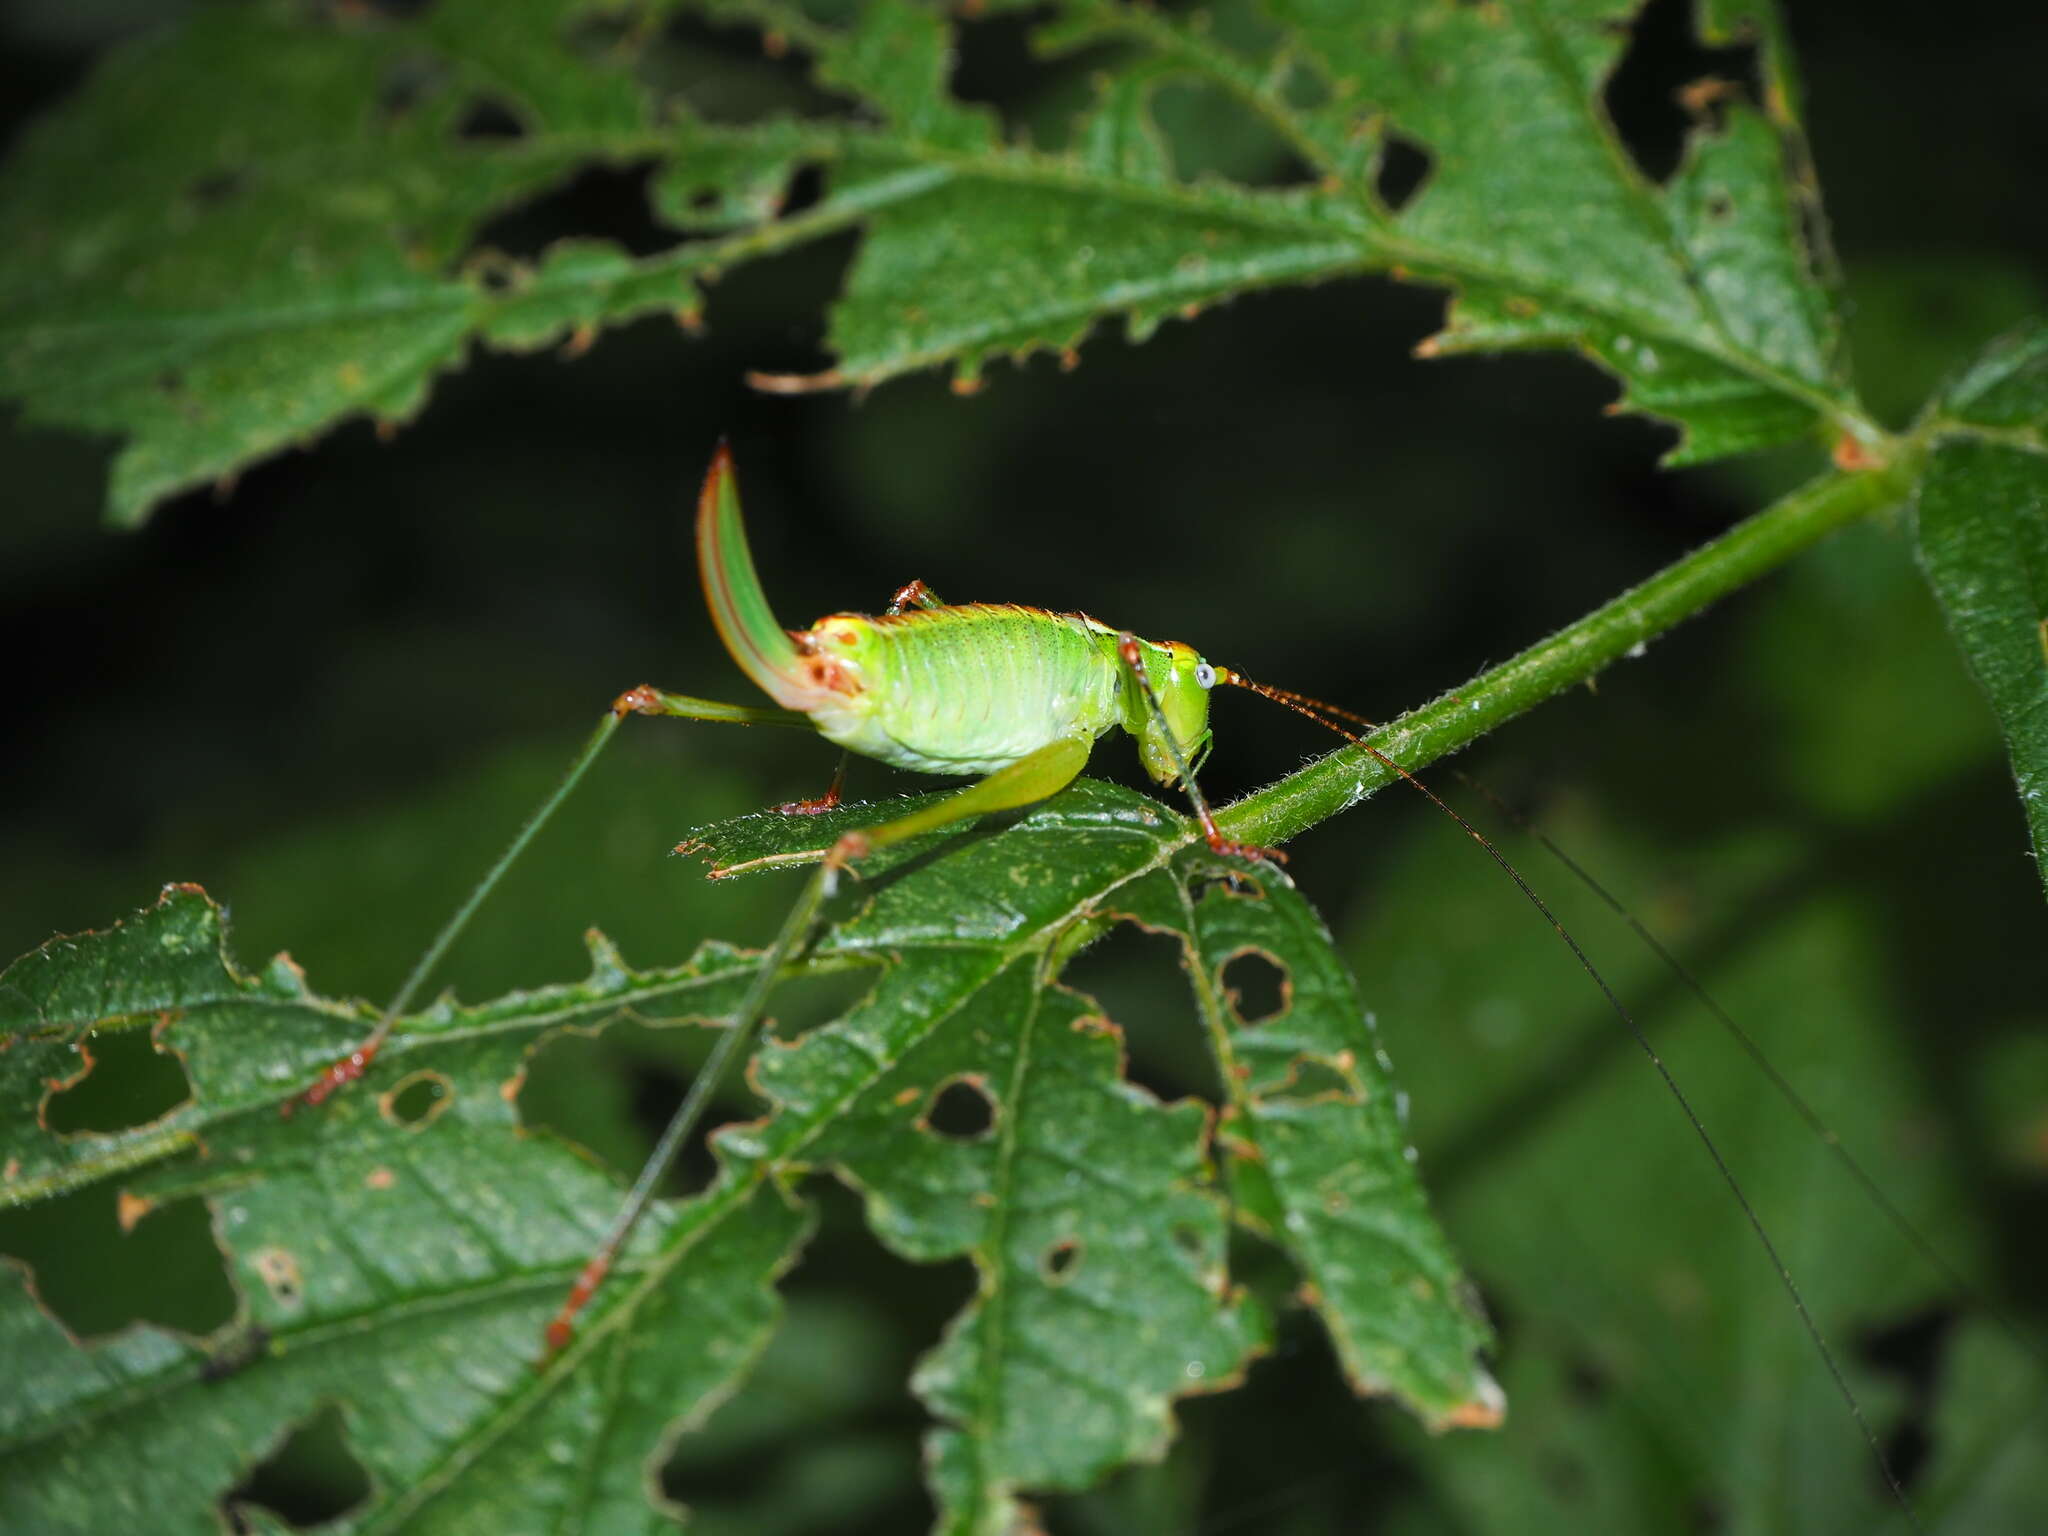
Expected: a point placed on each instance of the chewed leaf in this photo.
(214, 275)
(1320, 1147)
(402, 1266)
(396, 1251)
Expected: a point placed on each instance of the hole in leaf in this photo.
(993, 65)
(495, 273)
(1656, 92)
(1402, 167)
(127, 1079)
(311, 1478)
(1060, 1261)
(96, 1279)
(961, 1110)
(1912, 1349)
(1256, 985)
(1224, 885)
(806, 189)
(418, 1100)
(1138, 979)
(1211, 133)
(602, 202)
(489, 118)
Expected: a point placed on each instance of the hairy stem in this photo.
(1572, 655)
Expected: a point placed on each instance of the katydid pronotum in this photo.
(1011, 695)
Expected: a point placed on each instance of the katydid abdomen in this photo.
(966, 689)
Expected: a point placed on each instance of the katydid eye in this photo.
(1205, 675)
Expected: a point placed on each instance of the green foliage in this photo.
(273, 218)
(1983, 519)
(298, 242)
(382, 1248)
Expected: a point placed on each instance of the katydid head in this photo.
(1182, 686)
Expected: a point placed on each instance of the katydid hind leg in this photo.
(643, 700)
(732, 1047)
(1042, 773)
(1034, 777)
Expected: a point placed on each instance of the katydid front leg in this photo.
(1127, 647)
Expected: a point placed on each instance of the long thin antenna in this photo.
(1900, 1222)
(1301, 704)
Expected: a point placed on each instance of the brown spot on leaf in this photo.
(1851, 454)
(129, 1209)
(1702, 96)
(1483, 1412)
(380, 1178)
(278, 1269)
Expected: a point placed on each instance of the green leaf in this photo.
(1983, 523)
(397, 1249)
(401, 1268)
(213, 275)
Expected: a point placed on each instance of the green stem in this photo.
(1572, 655)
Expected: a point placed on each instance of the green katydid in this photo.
(1014, 696)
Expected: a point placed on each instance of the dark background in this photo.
(329, 693)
